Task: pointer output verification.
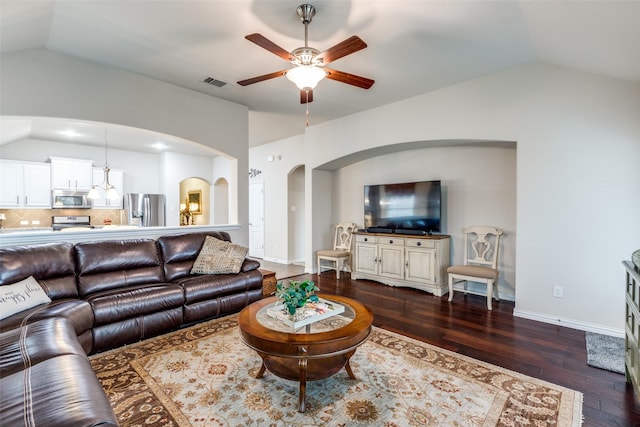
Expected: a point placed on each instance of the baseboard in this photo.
(569, 323)
(277, 260)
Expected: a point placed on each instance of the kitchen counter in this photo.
(30, 236)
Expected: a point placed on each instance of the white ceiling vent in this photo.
(214, 82)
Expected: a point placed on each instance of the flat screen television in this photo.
(405, 207)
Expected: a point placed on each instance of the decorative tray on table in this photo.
(310, 313)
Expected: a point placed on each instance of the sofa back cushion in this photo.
(114, 264)
(51, 264)
(180, 252)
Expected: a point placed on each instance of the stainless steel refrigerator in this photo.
(145, 210)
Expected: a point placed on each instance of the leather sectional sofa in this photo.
(104, 294)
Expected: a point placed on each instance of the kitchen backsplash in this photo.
(36, 218)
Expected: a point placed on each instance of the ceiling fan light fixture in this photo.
(306, 76)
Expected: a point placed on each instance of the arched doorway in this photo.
(194, 201)
(220, 206)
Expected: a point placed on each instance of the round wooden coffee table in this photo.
(310, 353)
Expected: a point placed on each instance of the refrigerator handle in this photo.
(145, 212)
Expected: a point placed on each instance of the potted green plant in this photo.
(296, 294)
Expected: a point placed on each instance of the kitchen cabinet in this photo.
(24, 185)
(71, 174)
(403, 260)
(116, 178)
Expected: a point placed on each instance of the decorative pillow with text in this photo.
(21, 296)
(219, 257)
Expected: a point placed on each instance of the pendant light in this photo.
(109, 190)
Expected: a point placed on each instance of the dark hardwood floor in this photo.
(553, 353)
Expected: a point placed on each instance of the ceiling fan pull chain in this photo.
(307, 92)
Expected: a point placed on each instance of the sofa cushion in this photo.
(219, 257)
(204, 287)
(31, 344)
(179, 252)
(114, 264)
(21, 296)
(135, 301)
(61, 391)
(46, 379)
(52, 264)
(76, 311)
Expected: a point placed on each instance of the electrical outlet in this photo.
(557, 291)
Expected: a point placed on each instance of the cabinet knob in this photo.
(366, 239)
(419, 244)
(390, 242)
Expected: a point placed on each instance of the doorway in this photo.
(194, 201)
(296, 213)
(256, 219)
(220, 206)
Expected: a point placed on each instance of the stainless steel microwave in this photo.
(61, 199)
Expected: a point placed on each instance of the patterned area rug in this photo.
(204, 376)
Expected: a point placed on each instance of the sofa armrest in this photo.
(249, 264)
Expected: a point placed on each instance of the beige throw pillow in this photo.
(219, 257)
(21, 296)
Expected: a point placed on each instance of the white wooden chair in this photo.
(340, 255)
(481, 248)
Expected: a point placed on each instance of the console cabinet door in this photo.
(420, 265)
(391, 253)
(366, 257)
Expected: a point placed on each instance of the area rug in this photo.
(605, 352)
(205, 376)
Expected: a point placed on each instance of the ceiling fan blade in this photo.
(342, 49)
(262, 78)
(306, 96)
(350, 79)
(267, 44)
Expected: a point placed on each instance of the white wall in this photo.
(275, 175)
(577, 209)
(79, 89)
(478, 188)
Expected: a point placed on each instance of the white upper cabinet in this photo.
(24, 185)
(71, 174)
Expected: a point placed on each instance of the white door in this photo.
(256, 219)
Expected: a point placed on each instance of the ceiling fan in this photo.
(309, 64)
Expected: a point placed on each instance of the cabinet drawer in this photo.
(421, 243)
(366, 239)
(393, 241)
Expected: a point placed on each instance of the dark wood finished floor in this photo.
(548, 352)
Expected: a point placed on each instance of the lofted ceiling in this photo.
(414, 47)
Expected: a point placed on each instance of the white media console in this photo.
(403, 260)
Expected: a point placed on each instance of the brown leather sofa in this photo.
(104, 294)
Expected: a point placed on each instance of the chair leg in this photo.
(489, 294)
(319, 266)
(338, 268)
(450, 287)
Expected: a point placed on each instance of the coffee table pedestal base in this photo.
(305, 369)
